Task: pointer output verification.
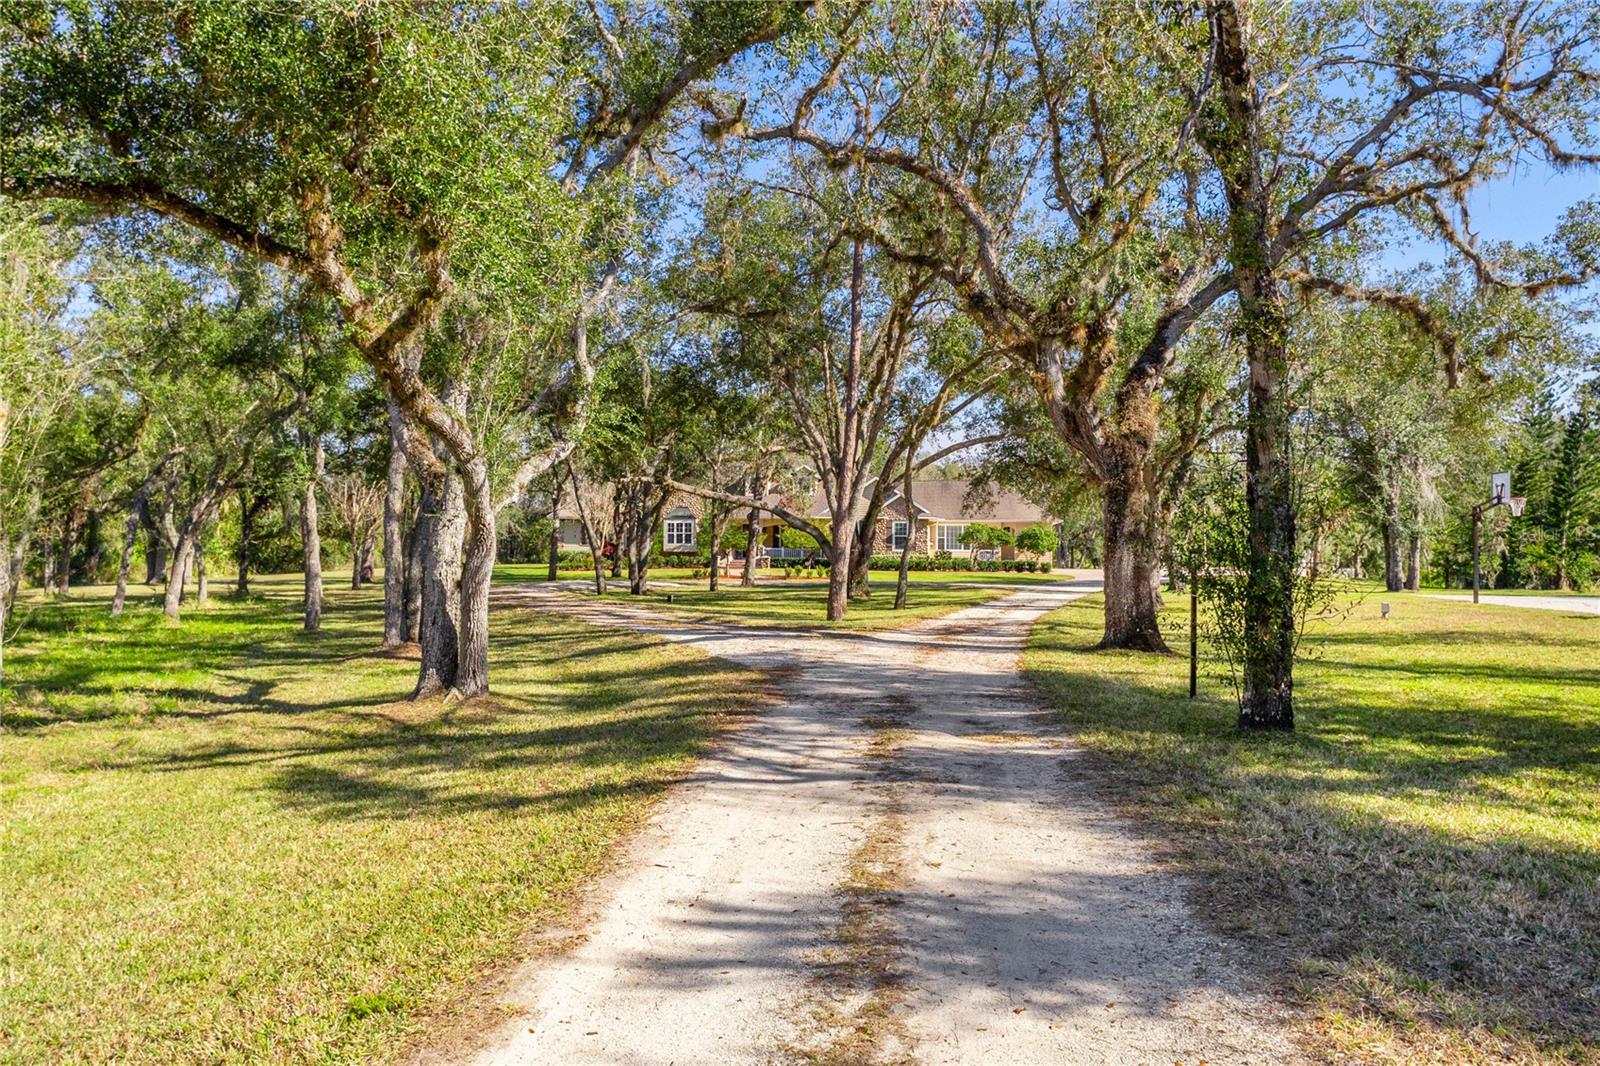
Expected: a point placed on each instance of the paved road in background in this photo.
(1569, 604)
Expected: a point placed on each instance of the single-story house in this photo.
(680, 525)
(940, 512)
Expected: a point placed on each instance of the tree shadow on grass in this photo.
(1417, 847)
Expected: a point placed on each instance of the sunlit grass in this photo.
(1423, 855)
(229, 841)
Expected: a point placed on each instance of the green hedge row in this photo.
(946, 562)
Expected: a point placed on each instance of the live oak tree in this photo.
(1445, 99)
(850, 338)
(1040, 163)
(38, 387)
(380, 152)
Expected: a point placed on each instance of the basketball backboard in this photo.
(1500, 487)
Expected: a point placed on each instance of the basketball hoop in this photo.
(1516, 503)
(1499, 487)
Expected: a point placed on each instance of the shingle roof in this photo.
(951, 500)
(958, 501)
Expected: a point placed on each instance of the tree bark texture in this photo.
(416, 551)
(1132, 564)
(596, 550)
(902, 581)
(1392, 535)
(752, 542)
(311, 536)
(394, 542)
(1233, 137)
(477, 568)
(130, 531)
(178, 571)
(439, 551)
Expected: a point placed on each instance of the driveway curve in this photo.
(901, 861)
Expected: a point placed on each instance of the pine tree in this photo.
(1572, 517)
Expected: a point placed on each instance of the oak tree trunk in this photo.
(177, 572)
(477, 569)
(247, 539)
(1232, 135)
(719, 518)
(752, 540)
(439, 548)
(394, 541)
(902, 582)
(1392, 578)
(416, 549)
(311, 538)
(1132, 566)
(596, 551)
(202, 587)
(155, 550)
(64, 569)
(1414, 563)
(130, 530)
(839, 568)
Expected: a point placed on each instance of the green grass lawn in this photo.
(511, 573)
(803, 604)
(1421, 859)
(227, 841)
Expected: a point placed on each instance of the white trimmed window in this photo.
(950, 537)
(898, 534)
(678, 533)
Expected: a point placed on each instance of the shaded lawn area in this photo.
(1422, 858)
(804, 604)
(224, 841)
(512, 573)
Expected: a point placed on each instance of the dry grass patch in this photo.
(851, 1019)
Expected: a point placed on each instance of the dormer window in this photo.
(678, 532)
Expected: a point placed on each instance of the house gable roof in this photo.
(947, 500)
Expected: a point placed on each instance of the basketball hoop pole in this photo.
(1515, 503)
(1477, 522)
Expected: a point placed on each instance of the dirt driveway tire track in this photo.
(1030, 925)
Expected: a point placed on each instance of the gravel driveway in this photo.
(900, 861)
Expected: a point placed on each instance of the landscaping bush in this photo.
(1037, 540)
(941, 562)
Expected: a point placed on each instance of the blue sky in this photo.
(1522, 206)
